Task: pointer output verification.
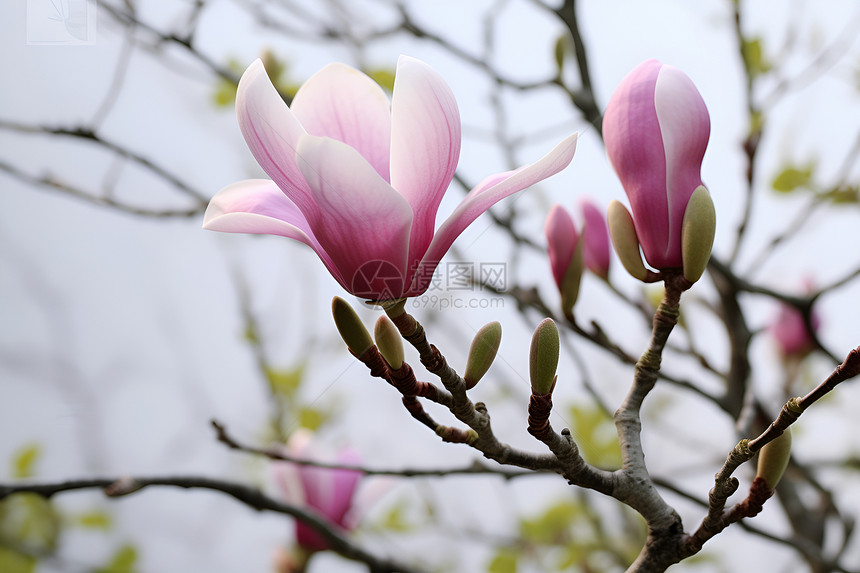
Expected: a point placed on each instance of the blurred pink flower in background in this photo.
(360, 180)
(656, 128)
(329, 492)
(789, 331)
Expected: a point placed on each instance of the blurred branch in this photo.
(128, 18)
(253, 498)
(91, 136)
(582, 98)
(476, 468)
(57, 185)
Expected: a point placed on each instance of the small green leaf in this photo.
(596, 436)
(95, 519)
(562, 48)
(285, 382)
(13, 562)
(553, 526)
(505, 561)
(793, 177)
(842, 194)
(24, 465)
(225, 93)
(383, 76)
(31, 520)
(754, 58)
(395, 520)
(311, 418)
(123, 561)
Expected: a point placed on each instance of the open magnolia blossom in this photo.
(360, 180)
(656, 128)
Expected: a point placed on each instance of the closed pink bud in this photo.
(561, 242)
(595, 237)
(565, 255)
(656, 128)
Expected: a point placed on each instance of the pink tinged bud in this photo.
(359, 180)
(595, 237)
(565, 249)
(656, 128)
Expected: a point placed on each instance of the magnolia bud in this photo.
(565, 250)
(773, 459)
(697, 233)
(349, 326)
(543, 357)
(482, 353)
(389, 342)
(624, 239)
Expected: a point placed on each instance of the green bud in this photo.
(697, 233)
(625, 240)
(572, 279)
(389, 342)
(482, 353)
(349, 326)
(773, 459)
(543, 357)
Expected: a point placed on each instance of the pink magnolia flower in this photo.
(329, 492)
(656, 128)
(360, 180)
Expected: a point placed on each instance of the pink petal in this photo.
(342, 103)
(271, 131)
(561, 241)
(364, 223)
(685, 128)
(425, 144)
(485, 195)
(596, 237)
(634, 145)
(258, 206)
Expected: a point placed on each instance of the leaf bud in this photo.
(543, 357)
(697, 233)
(350, 327)
(389, 342)
(483, 351)
(773, 459)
